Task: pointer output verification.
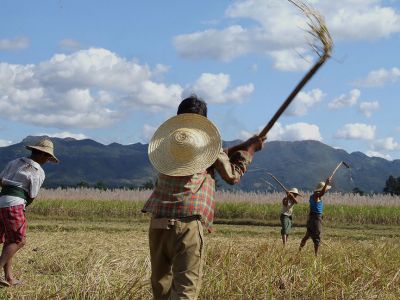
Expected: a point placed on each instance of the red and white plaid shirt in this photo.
(193, 195)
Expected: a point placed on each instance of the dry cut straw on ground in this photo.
(73, 260)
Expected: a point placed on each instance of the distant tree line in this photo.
(392, 186)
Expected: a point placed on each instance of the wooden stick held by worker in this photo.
(322, 45)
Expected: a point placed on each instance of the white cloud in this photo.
(86, 89)
(291, 60)
(379, 77)
(345, 100)
(303, 102)
(5, 143)
(147, 132)
(356, 131)
(295, 132)
(14, 44)
(388, 144)
(280, 27)
(371, 153)
(94, 88)
(292, 132)
(65, 134)
(70, 44)
(254, 68)
(214, 88)
(368, 108)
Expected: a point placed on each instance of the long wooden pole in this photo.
(282, 186)
(320, 32)
(292, 95)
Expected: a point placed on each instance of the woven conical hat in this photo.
(184, 145)
(46, 146)
(320, 186)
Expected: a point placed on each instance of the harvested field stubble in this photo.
(66, 260)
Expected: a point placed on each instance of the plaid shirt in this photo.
(193, 195)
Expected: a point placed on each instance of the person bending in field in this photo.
(314, 223)
(287, 212)
(20, 182)
(186, 151)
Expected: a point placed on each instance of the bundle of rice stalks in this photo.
(322, 44)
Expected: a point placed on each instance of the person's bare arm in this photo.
(327, 182)
(293, 198)
(252, 145)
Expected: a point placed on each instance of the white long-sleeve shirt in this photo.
(24, 173)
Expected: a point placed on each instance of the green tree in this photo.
(101, 186)
(392, 186)
(356, 190)
(83, 184)
(148, 185)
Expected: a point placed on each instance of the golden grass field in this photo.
(83, 256)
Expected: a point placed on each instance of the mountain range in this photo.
(300, 164)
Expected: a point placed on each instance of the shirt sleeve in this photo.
(232, 169)
(37, 180)
(4, 171)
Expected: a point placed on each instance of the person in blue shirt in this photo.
(314, 223)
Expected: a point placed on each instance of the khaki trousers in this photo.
(177, 258)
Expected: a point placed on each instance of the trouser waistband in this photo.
(168, 223)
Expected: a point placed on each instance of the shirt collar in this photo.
(32, 163)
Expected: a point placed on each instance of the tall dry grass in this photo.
(221, 196)
(231, 207)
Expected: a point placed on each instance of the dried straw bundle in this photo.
(322, 44)
(322, 41)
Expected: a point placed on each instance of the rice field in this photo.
(221, 196)
(231, 207)
(110, 260)
(92, 244)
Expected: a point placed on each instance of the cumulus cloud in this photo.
(292, 132)
(388, 144)
(356, 131)
(289, 60)
(345, 100)
(5, 143)
(368, 108)
(95, 87)
(379, 77)
(372, 153)
(280, 29)
(70, 44)
(215, 88)
(14, 44)
(295, 132)
(65, 134)
(304, 101)
(85, 89)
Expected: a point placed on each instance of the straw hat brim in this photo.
(200, 148)
(297, 194)
(52, 158)
(327, 188)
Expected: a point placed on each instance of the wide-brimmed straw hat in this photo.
(184, 145)
(46, 146)
(294, 191)
(320, 186)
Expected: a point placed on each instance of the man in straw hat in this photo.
(314, 223)
(20, 181)
(187, 150)
(287, 213)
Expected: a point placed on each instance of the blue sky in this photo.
(114, 71)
